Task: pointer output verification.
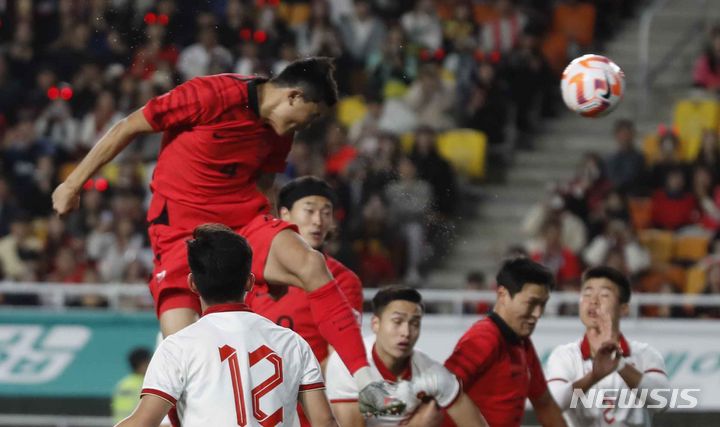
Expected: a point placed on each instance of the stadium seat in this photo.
(350, 110)
(465, 149)
(690, 248)
(676, 275)
(640, 212)
(695, 282)
(691, 118)
(659, 243)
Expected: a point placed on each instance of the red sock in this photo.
(337, 324)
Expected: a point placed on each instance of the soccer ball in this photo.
(592, 85)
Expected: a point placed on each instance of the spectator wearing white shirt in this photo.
(605, 360)
(422, 25)
(198, 58)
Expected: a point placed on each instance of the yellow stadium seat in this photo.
(691, 118)
(659, 243)
(465, 149)
(407, 142)
(695, 282)
(691, 248)
(394, 89)
(350, 110)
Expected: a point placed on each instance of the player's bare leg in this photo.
(175, 319)
(291, 260)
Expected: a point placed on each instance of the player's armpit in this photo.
(465, 414)
(547, 411)
(348, 414)
(316, 408)
(149, 413)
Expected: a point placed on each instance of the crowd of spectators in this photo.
(71, 69)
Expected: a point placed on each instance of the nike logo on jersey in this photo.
(160, 276)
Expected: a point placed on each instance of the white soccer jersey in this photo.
(570, 362)
(424, 376)
(233, 367)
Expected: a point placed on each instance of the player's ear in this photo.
(191, 284)
(294, 95)
(285, 214)
(624, 309)
(375, 323)
(250, 282)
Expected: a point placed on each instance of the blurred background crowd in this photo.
(409, 71)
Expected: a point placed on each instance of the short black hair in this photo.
(220, 262)
(388, 294)
(303, 187)
(475, 276)
(137, 357)
(314, 76)
(517, 272)
(614, 276)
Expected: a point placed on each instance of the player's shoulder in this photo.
(643, 350)
(422, 360)
(568, 351)
(337, 268)
(484, 329)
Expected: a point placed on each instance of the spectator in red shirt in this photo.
(674, 207)
(495, 359)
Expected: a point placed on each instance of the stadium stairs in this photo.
(559, 145)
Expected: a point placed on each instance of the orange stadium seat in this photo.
(465, 149)
(640, 212)
(695, 282)
(351, 110)
(691, 117)
(690, 248)
(659, 243)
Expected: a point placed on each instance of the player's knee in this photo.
(314, 273)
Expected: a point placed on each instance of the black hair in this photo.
(517, 272)
(624, 124)
(388, 294)
(475, 276)
(314, 76)
(220, 262)
(303, 187)
(614, 276)
(138, 356)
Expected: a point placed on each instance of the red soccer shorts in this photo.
(172, 224)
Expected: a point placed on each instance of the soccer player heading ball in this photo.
(225, 136)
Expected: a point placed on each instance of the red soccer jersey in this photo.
(498, 369)
(292, 310)
(215, 145)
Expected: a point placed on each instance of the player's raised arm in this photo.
(66, 196)
(149, 413)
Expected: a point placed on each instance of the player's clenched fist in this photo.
(65, 199)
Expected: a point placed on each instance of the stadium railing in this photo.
(57, 295)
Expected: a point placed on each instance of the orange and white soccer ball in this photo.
(592, 85)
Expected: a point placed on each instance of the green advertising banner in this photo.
(69, 353)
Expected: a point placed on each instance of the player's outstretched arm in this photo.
(464, 413)
(317, 408)
(66, 196)
(547, 411)
(149, 413)
(427, 415)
